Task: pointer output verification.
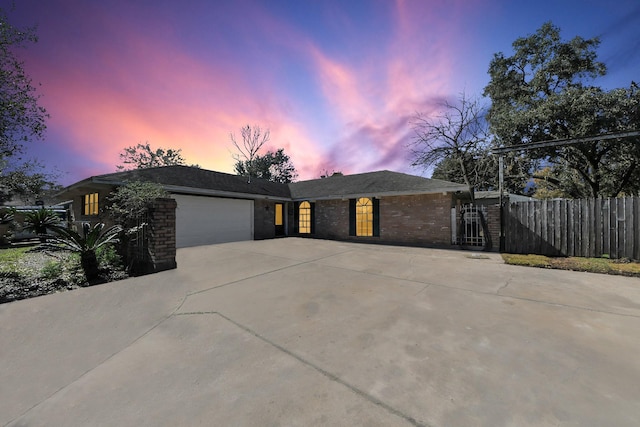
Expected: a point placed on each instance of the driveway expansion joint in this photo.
(275, 270)
(323, 372)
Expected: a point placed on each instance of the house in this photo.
(215, 207)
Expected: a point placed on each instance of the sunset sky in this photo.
(336, 82)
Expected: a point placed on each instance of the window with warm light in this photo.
(279, 220)
(90, 204)
(364, 217)
(304, 218)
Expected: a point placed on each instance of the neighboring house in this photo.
(214, 207)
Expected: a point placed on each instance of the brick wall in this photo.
(419, 220)
(162, 235)
(263, 219)
(332, 219)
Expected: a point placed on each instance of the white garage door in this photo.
(207, 220)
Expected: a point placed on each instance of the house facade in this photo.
(214, 207)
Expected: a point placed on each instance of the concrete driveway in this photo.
(296, 332)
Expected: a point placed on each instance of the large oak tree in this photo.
(543, 92)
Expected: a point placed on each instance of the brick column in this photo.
(162, 234)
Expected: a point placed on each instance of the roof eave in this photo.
(177, 189)
(380, 194)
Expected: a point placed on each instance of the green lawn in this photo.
(593, 265)
(9, 257)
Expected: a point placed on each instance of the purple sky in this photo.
(336, 82)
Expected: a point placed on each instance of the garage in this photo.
(207, 220)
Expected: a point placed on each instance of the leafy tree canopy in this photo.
(27, 182)
(142, 156)
(273, 166)
(131, 201)
(541, 93)
(21, 118)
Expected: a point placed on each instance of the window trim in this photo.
(353, 217)
(304, 219)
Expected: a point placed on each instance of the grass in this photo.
(12, 255)
(27, 272)
(592, 265)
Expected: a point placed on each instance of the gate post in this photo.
(162, 234)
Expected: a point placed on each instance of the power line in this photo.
(561, 142)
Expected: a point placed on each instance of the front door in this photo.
(279, 219)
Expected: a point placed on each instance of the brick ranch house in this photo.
(214, 207)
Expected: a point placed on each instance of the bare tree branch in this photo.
(458, 133)
(253, 139)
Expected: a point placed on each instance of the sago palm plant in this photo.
(39, 221)
(86, 245)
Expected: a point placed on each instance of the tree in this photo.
(253, 139)
(541, 93)
(457, 135)
(551, 183)
(276, 167)
(142, 156)
(273, 166)
(484, 172)
(128, 206)
(21, 118)
(28, 182)
(131, 201)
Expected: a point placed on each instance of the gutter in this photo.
(379, 195)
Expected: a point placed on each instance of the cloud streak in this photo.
(337, 83)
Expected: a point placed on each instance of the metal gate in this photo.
(471, 226)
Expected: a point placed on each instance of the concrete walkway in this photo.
(296, 332)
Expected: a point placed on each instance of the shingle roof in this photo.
(191, 180)
(370, 184)
(187, 177)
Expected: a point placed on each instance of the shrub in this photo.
(86, 246)
(52, 270)
(108, 258)
(40, 221)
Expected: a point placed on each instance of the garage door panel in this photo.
(209, 220)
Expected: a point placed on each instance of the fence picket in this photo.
(588, 228)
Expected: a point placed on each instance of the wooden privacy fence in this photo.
(586, 227)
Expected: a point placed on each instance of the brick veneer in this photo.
(332, 219)
(417, 219)
(263, 219)
(162, 234)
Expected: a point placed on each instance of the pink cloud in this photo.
(127, 83)
(161, 95)
(376, 104)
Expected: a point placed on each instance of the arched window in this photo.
(364, 217)
(304, 218)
